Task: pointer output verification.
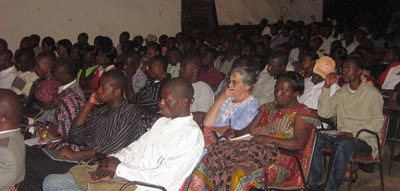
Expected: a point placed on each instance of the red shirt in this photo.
(212, 77)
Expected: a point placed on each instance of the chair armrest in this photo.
(141, 184)
(356, 140)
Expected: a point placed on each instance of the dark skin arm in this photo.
(302, 131)
(107, 168)
(199, 117)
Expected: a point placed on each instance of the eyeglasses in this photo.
(234, 83)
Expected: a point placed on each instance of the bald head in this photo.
(10, 110)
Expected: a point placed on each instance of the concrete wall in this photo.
(67, 18)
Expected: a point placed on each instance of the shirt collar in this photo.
(5, 133)
(64, 87)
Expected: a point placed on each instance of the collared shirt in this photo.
(212, 77)
(106, 132)
(7, 77)
(138, 80)
(165, 155)
(203, 97)
(313, 91)
(64, 87)
(174, 70)
(149, 96)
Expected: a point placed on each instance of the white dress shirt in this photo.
(165, 156)
(174, 70)
(138, 79)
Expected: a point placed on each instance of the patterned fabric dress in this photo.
(66, 112)
(240, 165)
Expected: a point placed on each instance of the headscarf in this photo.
(46, 90)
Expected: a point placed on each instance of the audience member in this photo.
(26, 75)
(83, 39)
(64, 48)
(307, 60)
(64, 72)
(208, 73)
(203, 94)
(123, 39)
(105, 61)
(357, 106)
(110, 128)
(130, 66)
(224, 62)
(176, 145)
(12, 147)
(235, 108)
(149, 96)
(264, 88)
(8, 72)
(174, 58)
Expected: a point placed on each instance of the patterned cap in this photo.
(46, 90)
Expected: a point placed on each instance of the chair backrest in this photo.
(383, 133)
(305, 158)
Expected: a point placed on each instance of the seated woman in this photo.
(239, 165)
(67, 107)
(235, 107)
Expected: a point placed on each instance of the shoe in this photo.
(354, 179)
(397, 158)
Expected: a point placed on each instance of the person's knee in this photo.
(51, 181)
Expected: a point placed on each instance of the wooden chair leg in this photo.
(392, 147)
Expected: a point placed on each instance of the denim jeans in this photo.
(341, 151)
(60, 182)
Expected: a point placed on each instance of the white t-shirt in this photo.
(203, 97)
(7, 77)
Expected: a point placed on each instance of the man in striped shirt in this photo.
(110, 128)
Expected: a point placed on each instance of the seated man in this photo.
(203, 94)
(174, 56)
(208, 73)
(149, 96)
(8, 72)
(110, 128)
(26, 75)
(313, 85)
(264, 88)
(164, 156)
(12, 147)
(357, 106)
(64, 72)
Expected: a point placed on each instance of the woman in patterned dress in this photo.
(239, 165)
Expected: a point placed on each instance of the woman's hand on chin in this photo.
(229, 92)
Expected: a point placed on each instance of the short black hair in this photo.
(85, 35)
(154, 46)
(66, 44)
(106, 41)
(118, 78)
(313, 55)
(281, 55)
(9, 54)
(341, 52)
(67, 66)
(125, 33)
(35, 39)
(359, 63)
(194, 58)
(24, 52)
(162, 60)
(49, 41)
(295, 80)
(4, 42)
(49, 55)
(108, 52)
(180, 88)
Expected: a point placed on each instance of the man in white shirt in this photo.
(264, 88)
(173, 55)
(203, 94)
(8, 72)
(165, 156)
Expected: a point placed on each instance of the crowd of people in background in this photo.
(278, 84)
